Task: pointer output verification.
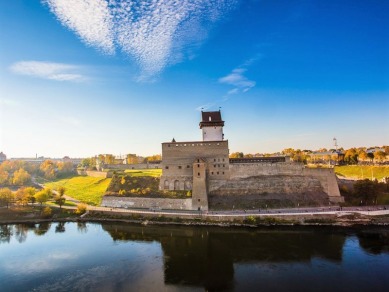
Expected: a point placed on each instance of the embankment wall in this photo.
(147, 203)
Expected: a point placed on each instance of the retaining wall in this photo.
(148, 203)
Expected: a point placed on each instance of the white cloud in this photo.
(153, 32)
(237, 79)
(90, 19)
(48, 70)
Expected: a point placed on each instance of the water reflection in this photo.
(374, 242)
(146, 257)
(42, 228)
(206, 257)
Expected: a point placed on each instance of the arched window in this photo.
(166, 185)
(176, 185)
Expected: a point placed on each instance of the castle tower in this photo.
(199, 188)
(212, 126)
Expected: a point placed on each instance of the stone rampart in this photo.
(104, 174)
(147, 203)
(243, 170)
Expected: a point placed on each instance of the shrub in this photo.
(81, 209)
(250, 220)
(47, 212)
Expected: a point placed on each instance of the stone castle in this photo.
(219, 182)
(204, 167)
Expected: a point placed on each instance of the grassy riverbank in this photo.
(86, 189)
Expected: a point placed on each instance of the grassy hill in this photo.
(362, 171)
(86, 189)
(141, 183)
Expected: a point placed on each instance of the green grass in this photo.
(144, 172)
(86, 189)
(362, 171)
(67, 203)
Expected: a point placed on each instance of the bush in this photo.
(250, 220)
(81, 209)
(47, 212)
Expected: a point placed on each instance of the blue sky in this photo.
(80, 77)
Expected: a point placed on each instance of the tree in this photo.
(379, 156)
(109, 159)
(362, 155)
(42, 196)
(30, 194)
(65, 167)
(351, 156)
(6, 197)
(21, 177)
(59, 198)
(155, 157)
(370, 155)
(48, 169)
(366, 189)
(21, 196)
(237, 155)
(4, 175)
(132, 159)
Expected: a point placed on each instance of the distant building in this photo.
(3, 157)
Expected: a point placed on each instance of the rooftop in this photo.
(211, 119)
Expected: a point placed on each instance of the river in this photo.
(125, 257)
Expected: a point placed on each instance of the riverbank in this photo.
(32, 215)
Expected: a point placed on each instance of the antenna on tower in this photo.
(335, 143)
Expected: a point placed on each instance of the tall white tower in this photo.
(212, 126)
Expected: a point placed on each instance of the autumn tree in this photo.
(351, 156)
(21, 197)
(155, 157)
(59, 198)
(30, 194)
(43, 196)
(362, 155)
(379, 156)
(237, 155)
(4, 176)
(6, 197)
(21, 177)
(132, 159)
(109, 159)
(65, 167)
(48, 169)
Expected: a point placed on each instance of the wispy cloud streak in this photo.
(49, 70)
(153, 32)
(237, 78)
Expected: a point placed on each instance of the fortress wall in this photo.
(176, 182)
(243, 170)
(147, 203)
(186, 152)
(267, 184)
(327, 178)
(133, 166)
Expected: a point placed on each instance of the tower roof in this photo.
(211, 119)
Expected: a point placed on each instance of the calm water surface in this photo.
(122, 257)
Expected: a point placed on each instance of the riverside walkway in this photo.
(365, 210)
